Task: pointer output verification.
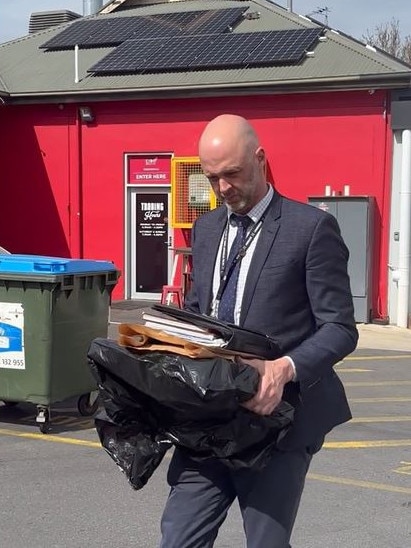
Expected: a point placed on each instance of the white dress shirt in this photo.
(255, 215)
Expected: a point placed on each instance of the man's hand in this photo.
(274, 375)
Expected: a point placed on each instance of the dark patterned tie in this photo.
(227, 302)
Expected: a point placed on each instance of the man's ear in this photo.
(260, 153)
(261, 158)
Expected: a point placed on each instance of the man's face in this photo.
(235, 177)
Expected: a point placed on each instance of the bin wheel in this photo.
(44, 427)
(87, 404)
(43, 419)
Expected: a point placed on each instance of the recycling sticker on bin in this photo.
(12, 336)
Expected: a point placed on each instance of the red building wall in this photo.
(63, 182)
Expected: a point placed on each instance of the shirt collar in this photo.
(257, 211)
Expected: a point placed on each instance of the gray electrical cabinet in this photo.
(355, 217)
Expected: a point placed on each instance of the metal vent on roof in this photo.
(45, 19)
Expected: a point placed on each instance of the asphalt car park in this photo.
(62, 490)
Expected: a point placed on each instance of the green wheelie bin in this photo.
(51, 309)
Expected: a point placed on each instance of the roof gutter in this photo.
(348, 83)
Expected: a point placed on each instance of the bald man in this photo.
(287, 278)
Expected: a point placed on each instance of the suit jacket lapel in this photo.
(214, 234)
(263, 247)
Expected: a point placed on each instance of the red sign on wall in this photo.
(149, 170)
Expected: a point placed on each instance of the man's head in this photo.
(234, 162)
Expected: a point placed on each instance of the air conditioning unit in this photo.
(198, 190)
(191, 192)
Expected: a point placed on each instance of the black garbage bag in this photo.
(135, 451)
(154, 400)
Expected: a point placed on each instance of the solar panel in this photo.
(283, 46)
(209, 51)
(125, 57)
(200, 22)
(170, 55)
(216, 21)
(137, 55)
(228, 50)
(114, 31)
(72, 35)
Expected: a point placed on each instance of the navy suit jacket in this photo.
(298, 292)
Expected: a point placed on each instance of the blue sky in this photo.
(354, 17)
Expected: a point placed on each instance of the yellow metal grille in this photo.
(190, 190)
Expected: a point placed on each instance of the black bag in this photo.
(153, 400)
(238, 339)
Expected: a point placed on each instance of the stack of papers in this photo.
(185, 330)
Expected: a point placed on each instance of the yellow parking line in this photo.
(360, 444)
(379, 400)
(360, 483)
(49, 437)
(404, 468)
(364, 444)
(390, 357)
(378, 383)
(398, 418)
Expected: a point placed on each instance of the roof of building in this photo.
(28, 72)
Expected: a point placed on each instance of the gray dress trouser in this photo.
(202, 492)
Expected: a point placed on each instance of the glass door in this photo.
(150, 242)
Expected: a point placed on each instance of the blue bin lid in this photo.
(39, 264)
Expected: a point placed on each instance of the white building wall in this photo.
(395, 235)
